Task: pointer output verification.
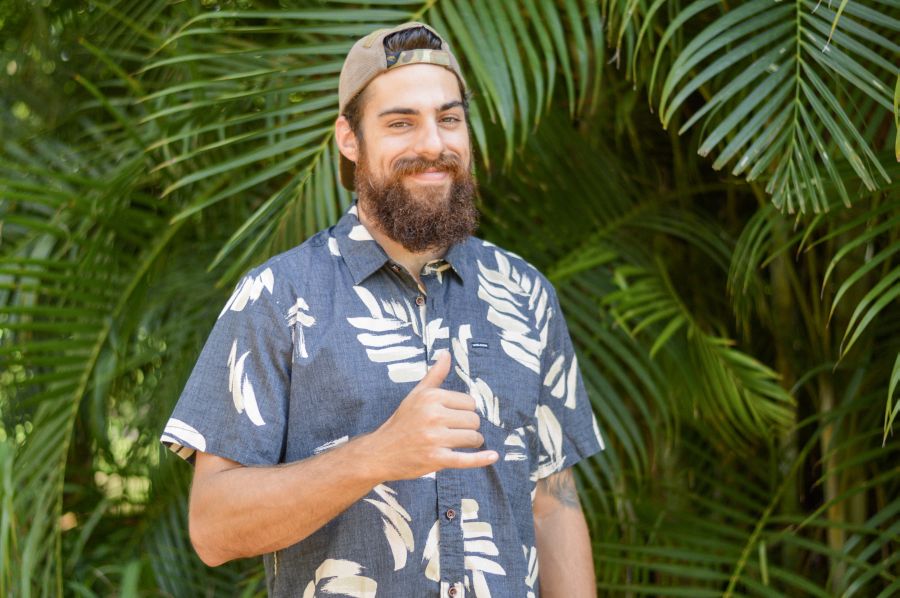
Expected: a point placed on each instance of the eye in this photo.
(399, 124)
(451, 119)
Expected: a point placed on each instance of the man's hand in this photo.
(301, 497)
(419, 437)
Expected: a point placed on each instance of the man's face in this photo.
(413, 173)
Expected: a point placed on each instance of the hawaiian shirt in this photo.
(322, 343)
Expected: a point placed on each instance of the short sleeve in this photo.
(234, 404)
(566, 425)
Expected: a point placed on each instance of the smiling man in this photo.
(393, 407)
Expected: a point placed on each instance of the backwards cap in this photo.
(367, 59)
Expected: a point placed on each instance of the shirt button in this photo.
(450, 514)
(452, 591)
(420, 300)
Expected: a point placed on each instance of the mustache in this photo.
(450, 163)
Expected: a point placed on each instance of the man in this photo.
(393, 407)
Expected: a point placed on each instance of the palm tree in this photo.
(738, 331)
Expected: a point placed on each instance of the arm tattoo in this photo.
(561, 486)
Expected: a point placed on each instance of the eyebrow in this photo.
(412, 111)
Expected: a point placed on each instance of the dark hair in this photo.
(408, 39)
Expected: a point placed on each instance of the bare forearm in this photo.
(247, 511)
(239, 511)
(565, 561)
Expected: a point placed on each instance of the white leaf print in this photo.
(341, 577)
(241, 388)
(406, 372)
(563, 383)
(333, 247)
(249, 290)
(516, 449)
(181, 433)
(396, 524)
(434, 331)
(432, 554)
(360, 233)
(478, 540)
(437, 268)
(550, 434)
(553, 378)
(517, 305)
(298, 319)
(571, 383)
(597, 433)
(330, 445)
(487, 405)
(392, 336)
(531, 576)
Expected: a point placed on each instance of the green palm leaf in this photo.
(782, 101)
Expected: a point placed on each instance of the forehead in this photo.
(423, 87)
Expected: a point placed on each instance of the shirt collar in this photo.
(363, 255)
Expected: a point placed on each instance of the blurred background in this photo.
(712, 187)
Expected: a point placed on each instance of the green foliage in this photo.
(743, 364)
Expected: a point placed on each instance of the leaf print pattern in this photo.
(518, 306)
(434, 331)
(341, 577)
(531, 576)
(333, 247)
(330, 445)
(298, 319)
(516, 449)
(387, 336)
(249, 290)
(597, 433)
(478, 544)
(437, 269)
(396, 524)
(562, 382)
(550, 434)
(487, 405)
(431, 556)
(183, 438)
(241, 388)
(360, 233)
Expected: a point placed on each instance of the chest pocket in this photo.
(505, 390)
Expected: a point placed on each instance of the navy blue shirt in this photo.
(321, 344)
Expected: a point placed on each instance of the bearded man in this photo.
(393, 407)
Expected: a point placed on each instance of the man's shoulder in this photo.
(306, 258)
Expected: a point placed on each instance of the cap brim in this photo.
(348, 173)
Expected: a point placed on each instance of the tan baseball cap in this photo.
(367, 59)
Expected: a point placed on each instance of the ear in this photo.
(346, 140)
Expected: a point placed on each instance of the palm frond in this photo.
(784, 87)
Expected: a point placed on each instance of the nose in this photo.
(429, 143)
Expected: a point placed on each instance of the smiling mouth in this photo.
(431, 174)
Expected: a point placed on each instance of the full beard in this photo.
(426, 218)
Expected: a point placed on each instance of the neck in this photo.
(411, 260)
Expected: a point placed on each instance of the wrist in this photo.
(365, 453)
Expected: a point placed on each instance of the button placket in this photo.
(449, 490)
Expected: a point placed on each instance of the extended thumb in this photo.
(438, 372)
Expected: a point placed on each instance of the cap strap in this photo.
(423, 55)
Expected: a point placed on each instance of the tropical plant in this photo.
(738, 332)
